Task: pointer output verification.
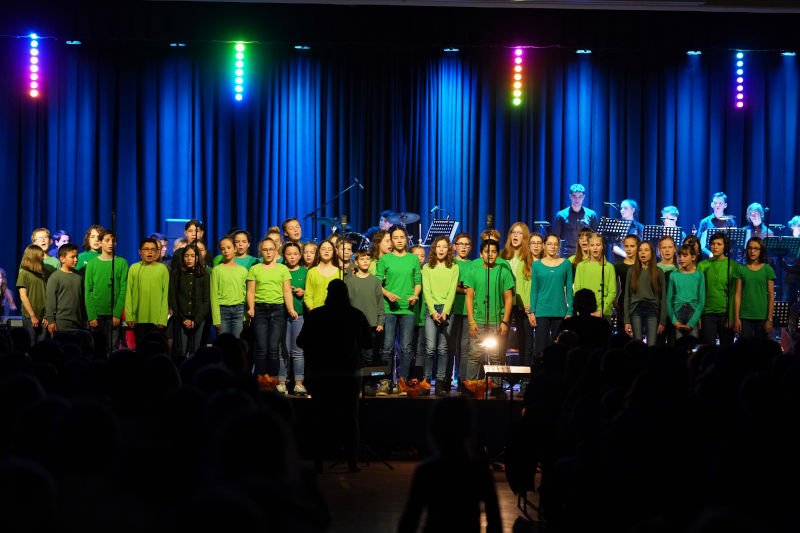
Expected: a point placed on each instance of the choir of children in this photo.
(452, 304)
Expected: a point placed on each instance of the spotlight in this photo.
(489, 342)
(34, 85)
(177, 45)
(583, 51)
(517, 60)
(739, 80)
(788, 54)
(450, 50)
(238, 80)
(74, 43)
(694, 53)
(302, 47)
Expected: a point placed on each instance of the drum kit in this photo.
(360, 242)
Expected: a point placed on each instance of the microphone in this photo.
(766, 209)
(490, 221)
(358, 183)
(344, 221)
(435, 208)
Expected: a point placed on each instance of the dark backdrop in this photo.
(128, 123)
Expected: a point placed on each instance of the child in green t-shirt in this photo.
(755, 293)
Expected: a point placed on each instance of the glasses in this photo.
(463, 244)
(517, 232)
(754, 248)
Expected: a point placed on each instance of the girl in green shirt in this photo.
(439, 283)
(755, 293)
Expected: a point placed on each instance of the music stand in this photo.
(780, 314)
(439, 227)
(735, 236)
(654, 233)
(543, 225)
(613, 228)
(783, 246)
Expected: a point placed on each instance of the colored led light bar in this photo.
(517, 76)
(238, 80)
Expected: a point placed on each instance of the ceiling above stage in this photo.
(729, 6)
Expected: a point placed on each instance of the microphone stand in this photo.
(313, 213)
(110, 340)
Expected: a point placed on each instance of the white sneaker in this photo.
(300, 390)
(384, 388)
(281, 388)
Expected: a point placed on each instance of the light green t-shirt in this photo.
(269, 282)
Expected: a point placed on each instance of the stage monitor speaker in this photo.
(173, 229)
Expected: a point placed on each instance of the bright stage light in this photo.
(583, 51)
(34, 85)
(788, 54)
(516, 93)
(739, 80)
(302, 47)
(238, 80)
(489, 342)
(694, 53)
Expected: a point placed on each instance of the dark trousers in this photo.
(105, 325)
(714, 325)
(335, 404)
(269, 329)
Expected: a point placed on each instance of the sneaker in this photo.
(281, 388)
(403, 394)
(384, 388)
(300, 390)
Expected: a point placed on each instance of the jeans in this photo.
(683, 315)
(436, 346)
(402, 325)
(232, 319)
(714, 326)
(269, 326)
(458, 347)
(37, 334)
(294, 352)
(105, 324)
(753, 329)
(647, 316)
(478, 355)
(545, 332)
(187, 341)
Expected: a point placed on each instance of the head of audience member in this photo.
(292, 230)
(755, 214)
(193, 230)
(41, 238)
(91, 239)
(577, 194)
(337, 294)
(162, 244)
(584, 302)
(628, 209)
(719, 203)
(669, 216)
(794, 225)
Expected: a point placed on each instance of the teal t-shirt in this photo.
(499, 279)
(754, 292)
(551, 289)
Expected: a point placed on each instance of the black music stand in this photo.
(782, 247)
(613, 228)
(654, 233)
(439, 227)
(735, 236)
(780, 314)
(543, 225)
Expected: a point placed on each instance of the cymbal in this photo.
(403, 218)
(332, 222)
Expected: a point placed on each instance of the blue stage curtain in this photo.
(155, 133)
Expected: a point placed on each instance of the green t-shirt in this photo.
(500, 279)
(460, 300)
(228, 287)
(97, 284)
(269, 282)
(686, 288)
(35, 286)
(439, 287)
(588, 275)
(298, 282)
(719, 294)
(551, 289)
(246, 261)
(400, 274)
(147, 294)
(754, 292)
(84, 258)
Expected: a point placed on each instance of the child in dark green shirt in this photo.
(103, 308)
